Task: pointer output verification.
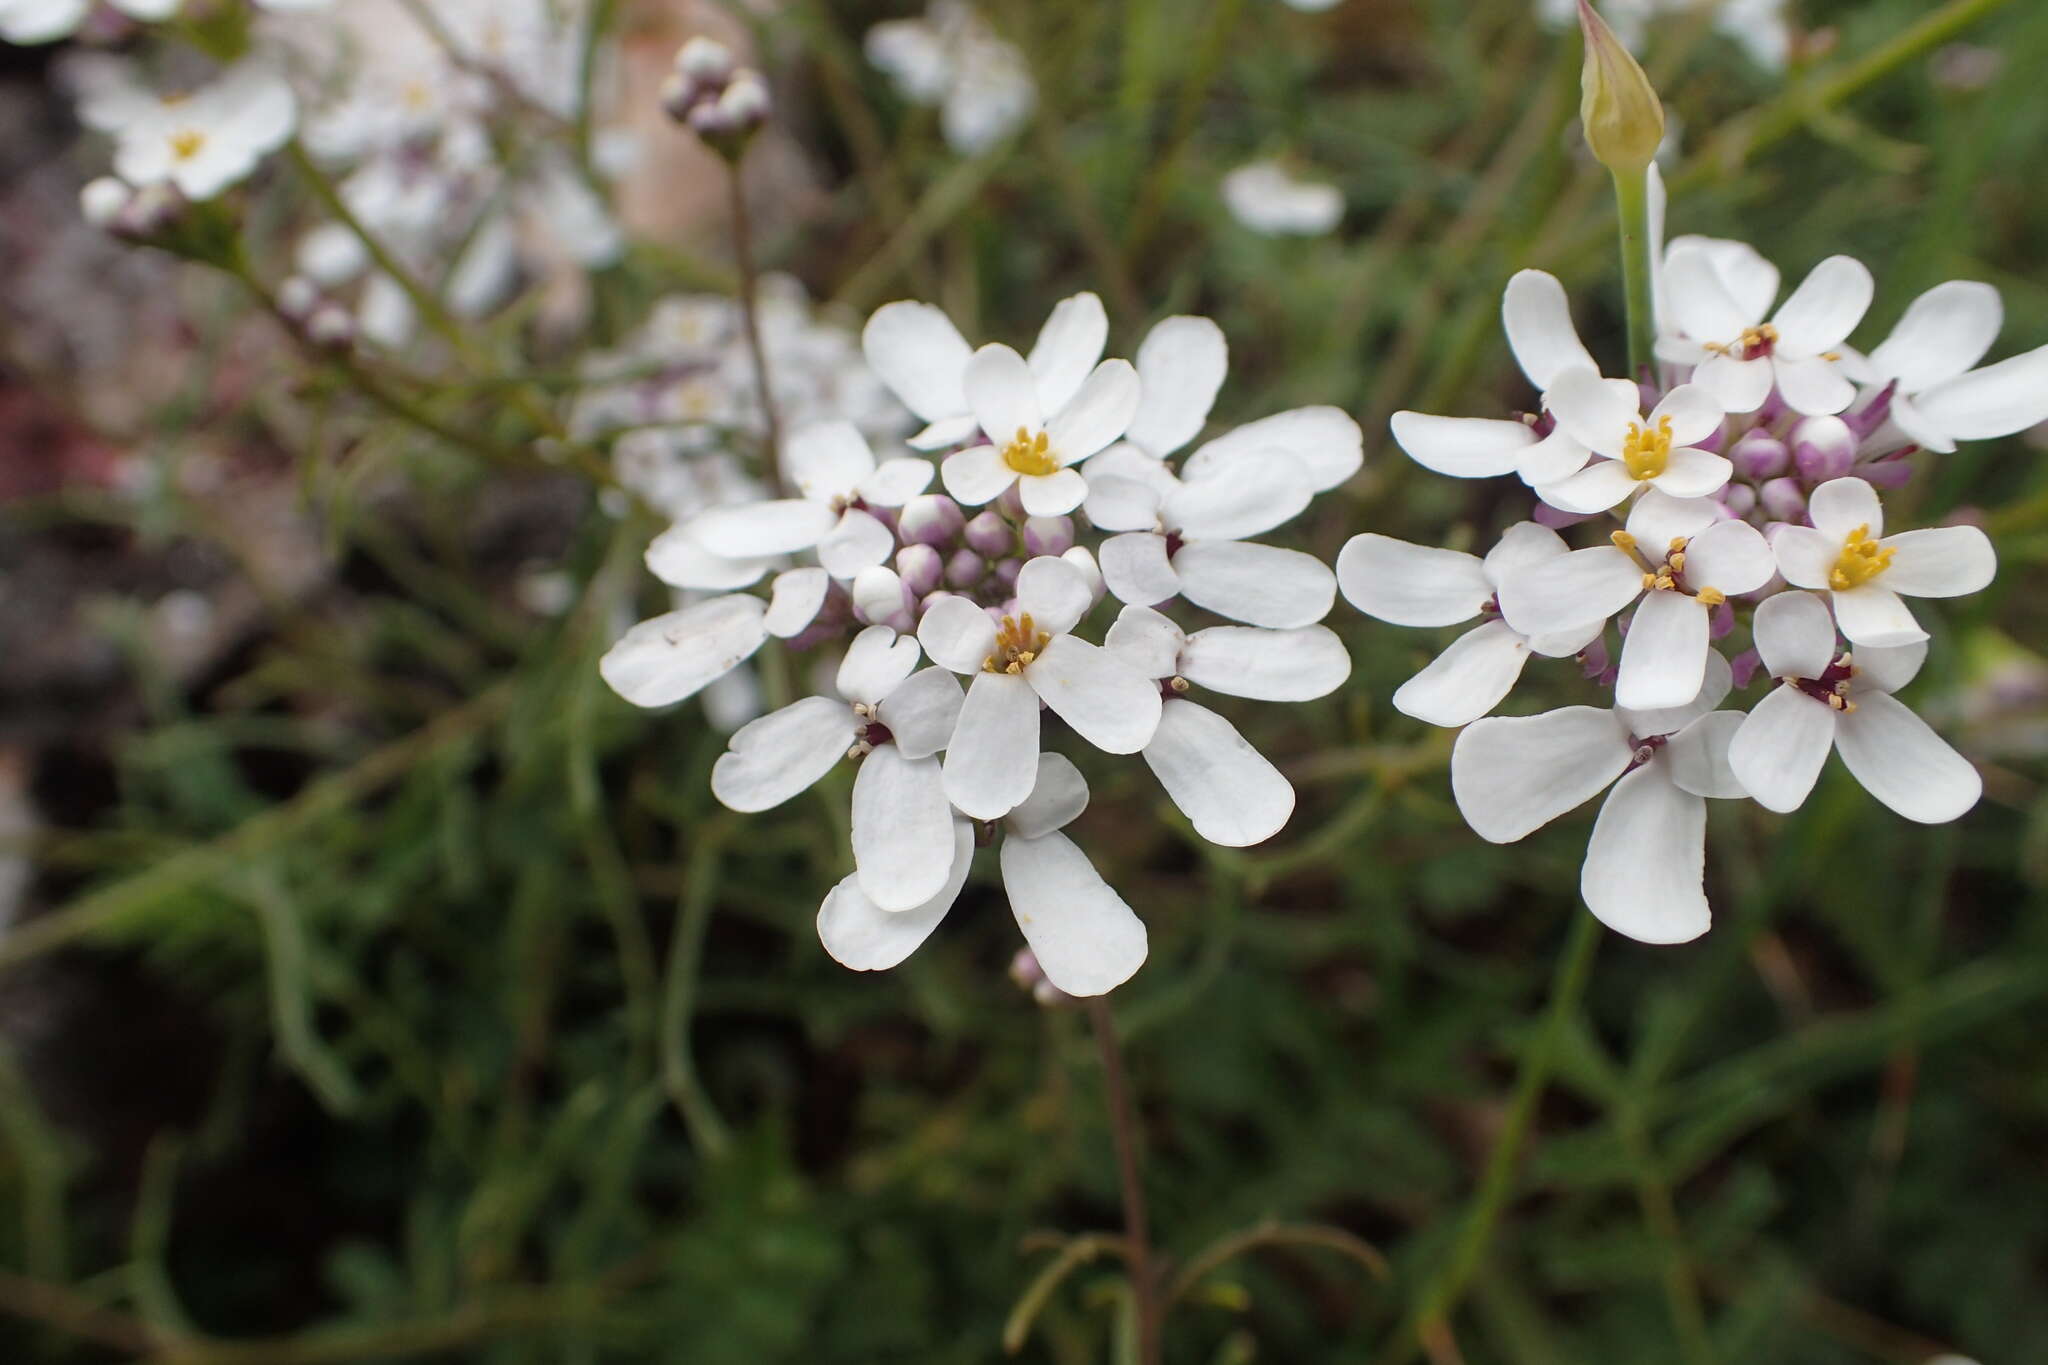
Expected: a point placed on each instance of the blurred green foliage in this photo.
(436, 1011)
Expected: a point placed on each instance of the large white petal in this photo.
(895, 482)
(858, 542)
(755, 529)
(1730, 555)
(993, 758)
(1148, 640)
(1737, 384)
(861, 935)
(917, 351)
(1261, 585)
(957, 634)
(1702, 305)
(1181, 364)
(1512, 775)
(1326, 440)
(1657, 519)
(1462, 447)
(1524, 544)
(1690, 473)
(1053, 593)
(875, 663)
(1052, 495)
(1751, 280)
(826, 459)
(1057, 799)
(1805, 556)
(1645, 869)
(1002, 394)
(1901, 761)
(1225, 787)
(1694, 414)
(1097, 415)
(1553, 459)
(677, 559)
(1825, 307)
(1995, 401)
(662, 661)
(797, 596)
(1940, 561)
(1411, 585)
(782, 753)
(902, 829)
(946, 433)
(1571, 589)
(1468, 679)
(1266, 665)
(1108, 702)
(1596, 488)
(1135, 568)
(1116, 503)
(976, 475)
(921, 711)
(1245, 495)
(1813, 385)
(1841, 506)
(1874, 616)
(1596, 413)
(1664, 655)
(1943, 333)
(1085, 938)
(1714, 688)
(1778, 753)
(1538, 319)
(1696, 757)
(1887, 670)
(1795, 635)
(1067, 348)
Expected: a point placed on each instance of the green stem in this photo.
(679, 995)
(1123, 1125)
(1632, 200)
(750, 286)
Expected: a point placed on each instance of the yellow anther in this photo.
(1179, 684)
(1623, 540)
(1753, 344)
(1711, 597)
(1030, 454)
(1647, 450)
(1677, 561)
(1676, 546)
(1649, 580)
(1018, 642)
(187, 144)
(1861, 560)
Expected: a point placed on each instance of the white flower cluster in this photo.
(48, 21)
(189, 143)
(952, 60)
(1059, 485)
(1750, 488)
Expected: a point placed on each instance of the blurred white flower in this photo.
(1266, 198)
(952, 59)
(201, 141)
(1758, 26)
(1718, 293)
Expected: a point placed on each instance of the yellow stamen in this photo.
(1711, 597)
(1623, 540)
(1760, 340)
(1647, 450)
(1018, 642)
(1861, 560)
(1030, 454)
(186, 145)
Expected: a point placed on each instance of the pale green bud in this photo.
(1623, 117)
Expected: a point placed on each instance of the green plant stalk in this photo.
(1123, 1125)
(679, 993)
(750, 287)
(1632, 204)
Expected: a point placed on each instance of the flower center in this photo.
(187, 144)
(1030, 454)
(1646, 450)
(1018, 642)
(872, 733)
(1832, 686)
(1861, 560)
(1668, 576)
(1754, 344)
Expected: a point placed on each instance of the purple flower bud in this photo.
(679, 95)
(1598, 661)
(705, 59)
(1890, 472)
(331, 325)
(1011, 503)
(1738, 500)
(1048, 535)
(1823, 448)
(965, 569)
(1866, 420)
(1006, 573)
(1546, 515)
(1029, 976)
(930, 519)
(1783, 500)
(1744, 666)
(1759, 456)
(102, 200)
(920, 568)
(1720, 621)
(989, 535)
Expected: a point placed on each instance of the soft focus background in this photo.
(374, 984)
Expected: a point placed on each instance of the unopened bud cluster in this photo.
(721, 102)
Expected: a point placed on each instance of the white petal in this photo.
(1714, 688)
(1067, 348)
(797, 596)
(1053, 593)
(1108, 702)
(1553, 459)
(1266, 665)
(1840, 506)
(1813, 385)
(1664, 655)
(917, 351)
(826, 459)
(1136, 570)
(782, 754)
(1468, 679)
(957, 634)
(1874, 616)
(1943, 333)
(875, 663)
(1058, 796)
(1570, 590)
(1738, 385)
(1225, 787)
(1596, 488)
(1512, 775)
(678, 560)
(1052, 495)
(895, 482)
(1645, 869)
(1941, 561)
(1246, 494)
(1462, 447)
(1995, 401)
(946, 433)
(1805, 556)
(1119, 504)
(1538, 320)
(1887, 670)
(1181, 365)
(993, 758)
(1002, 394)
(1126, 461)
(1657, 519)
(976, 475)
(1702, 305)
(1696, 758)
(1411, 585)
(1778, 753)
(1795, 636)
(1326, 440)
(902, 829)
(921, 711)
(878, 595)
(1750, 280)
(1825, 307)
(1690, 473)
(858, 542)
(1085, 938)
(1524, 544)
(1730, 555)
(860, 935)
(763, 528)
(1260, 585)
(1694, 414)
(1148, 641)
(1901, 761)
(662, 661)
(1097, 414)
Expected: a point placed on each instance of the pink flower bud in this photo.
(1744, 666)
(989, 535)
(1011, 503)
(965, 569)
(1006, 573)
(1783, 500)
(1823, 448)
(297, 297)
(1048, 535)
(1886, 473)
(930, 519)
(920, 568)
(1759, 456)
(1738, 500)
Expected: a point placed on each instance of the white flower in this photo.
(1845, 703)
(953, 59)
(46, 21)
(1718, 295)
(1680, 558)
(921, 356)
(1267, 199)
(895, 718)
(1417, 585)
(1635, 452)
(1866, 572)
(1937, 398)
(1039, 445)
(831, 466)
(1031, 658)
(201, 142)
(1645, 863)
(1230, 793)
